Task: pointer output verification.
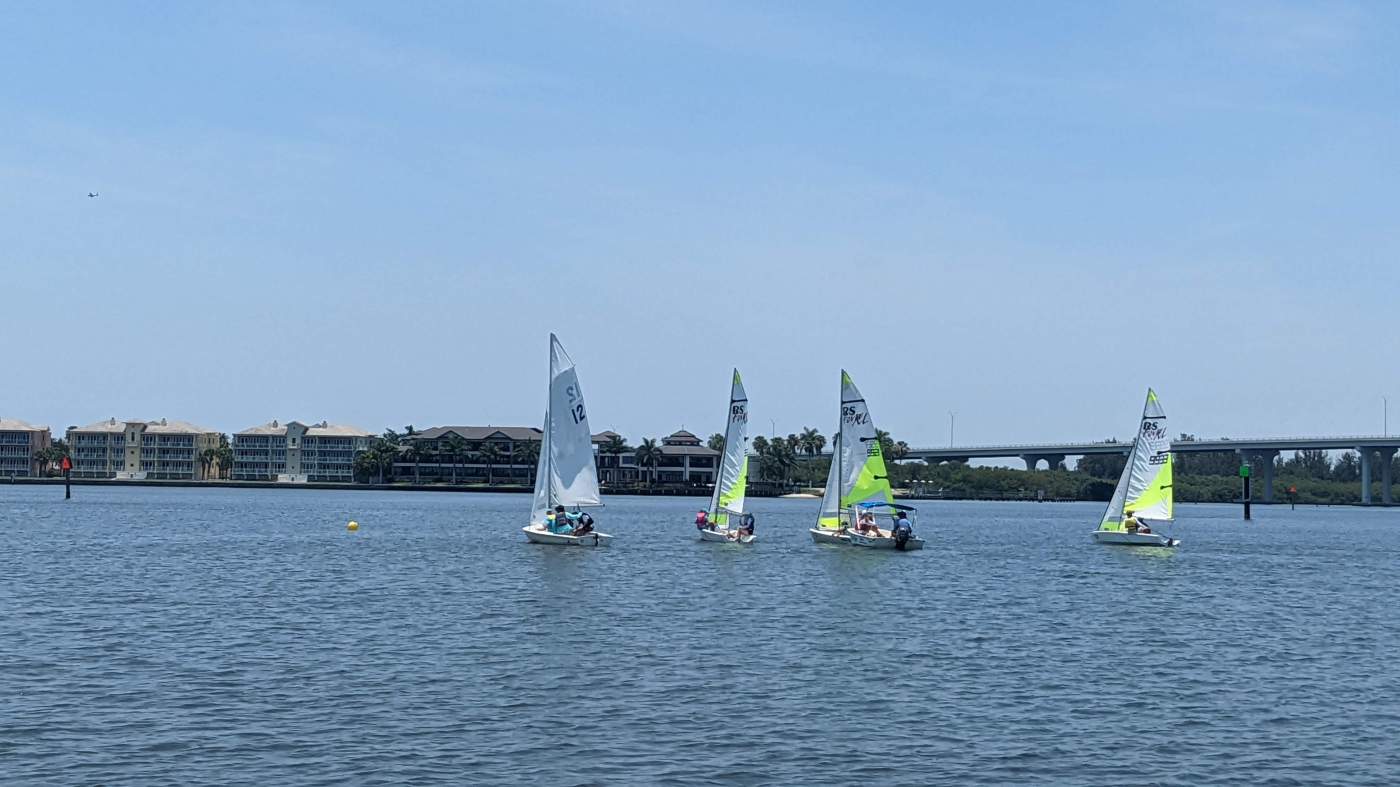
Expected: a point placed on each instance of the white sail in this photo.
(830, 514)
(541, 502)
(732, 480)
(1113, 517)
(572, 469)
(864, 478)
(1146, 483)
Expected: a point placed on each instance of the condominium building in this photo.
(19, 442)
(168, 450)
(297, 453)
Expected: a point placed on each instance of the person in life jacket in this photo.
(585, 524)
(702, 520)
(903, 530)
(1130, 522)
(746, 524)
(561, 521)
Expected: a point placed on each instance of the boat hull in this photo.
(826, 535)
(1125, 539)
(539, 535)
(884, 542)
(724, 536)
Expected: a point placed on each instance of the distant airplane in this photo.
(92, 194)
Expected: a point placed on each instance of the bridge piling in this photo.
(1386, 455)
(1365, 475)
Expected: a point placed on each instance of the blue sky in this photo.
(1027, 213)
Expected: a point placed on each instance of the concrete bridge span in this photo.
(1258, 453)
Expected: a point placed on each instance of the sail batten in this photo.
(1145, 487)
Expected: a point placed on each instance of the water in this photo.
(227, 636)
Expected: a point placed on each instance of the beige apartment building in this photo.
(296, 453)
(19, 442)
(164, 450)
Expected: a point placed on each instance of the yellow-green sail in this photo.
(1145, 488)
(732, 475)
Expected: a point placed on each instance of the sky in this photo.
(1024, 213)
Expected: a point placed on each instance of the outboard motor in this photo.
(901, 538)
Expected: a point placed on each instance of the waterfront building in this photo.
(19, 442)
(296, 453)
(474, 454)
(614, 469)
(685, 460)
(167, 450)
(471, 454)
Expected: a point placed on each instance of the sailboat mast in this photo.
(836, 454)
(549, 425)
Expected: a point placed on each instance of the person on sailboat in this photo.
(702, 520)
(1130, 522)
(903, 530)
(865, 524)
(745, 528)
(561, 521)
(585, 524)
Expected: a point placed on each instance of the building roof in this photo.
(154, 427)
(15, 425)
(322, 429)
(668, 449)
(606, 436)
(680, 437)
(475, 433)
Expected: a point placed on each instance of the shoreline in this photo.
(525, 490)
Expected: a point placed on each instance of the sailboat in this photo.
(857, 478)
(727, 503)
(567, 474)
(1145, 488)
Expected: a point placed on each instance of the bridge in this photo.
(1259, 454)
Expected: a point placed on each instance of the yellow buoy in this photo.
(353, 525)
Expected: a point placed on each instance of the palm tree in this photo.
(43, 459)
(616, 446)
(716, 442)
(527, 451)
(811, 442)
(206, 461)
(886, 444)
(648, 455)
(899, 450)
(366, 464)
(456, 449)
(490, 453)
(224, 456)
(385, 454)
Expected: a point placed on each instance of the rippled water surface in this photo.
(178, 636)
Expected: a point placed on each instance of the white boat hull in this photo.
(883, 542)
(826, 535)
(725, 536)
(539, 535)
(1124, 538)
